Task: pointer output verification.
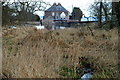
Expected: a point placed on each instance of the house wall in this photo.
(48, 14)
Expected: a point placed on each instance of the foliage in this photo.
(21, 11)
(77, 14)
(68, 72)
(116, 11)
(72, 71)
(105, 73)
(7, 15)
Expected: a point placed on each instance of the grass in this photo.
(68, 72)
(31, 53)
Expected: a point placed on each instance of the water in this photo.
(88, 72)
(40, 27)
(53, 27)
(86, 76)
(62, 27)
(13, 27)
(57, 27)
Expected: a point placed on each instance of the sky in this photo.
(67, 4)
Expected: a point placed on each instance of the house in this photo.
(56, 12)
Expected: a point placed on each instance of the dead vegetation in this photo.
(32, 53)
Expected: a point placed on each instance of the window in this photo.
(57, 16)
(53, 14)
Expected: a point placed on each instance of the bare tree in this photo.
(101, 9)
(100, 13)
(24, 10)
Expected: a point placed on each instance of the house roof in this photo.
(56, 7)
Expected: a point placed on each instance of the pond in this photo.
(50, 28)
(40, 27)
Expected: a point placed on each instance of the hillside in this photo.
(31, 53)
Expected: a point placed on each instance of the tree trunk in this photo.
(105, 12)
(100, 18)
(116, 10)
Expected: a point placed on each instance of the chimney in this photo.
(54, 4)
(59, 4)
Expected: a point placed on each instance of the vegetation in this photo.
(20, 11)
(77, 14)
(109, 10)
(31, 53)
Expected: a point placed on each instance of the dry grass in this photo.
(32, 53)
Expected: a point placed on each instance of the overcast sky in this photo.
(82, 4)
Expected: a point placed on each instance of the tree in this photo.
(116, 11)
(77, 14)
(100, 14)
(23, 10)
(7, 17)
(102, 9)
